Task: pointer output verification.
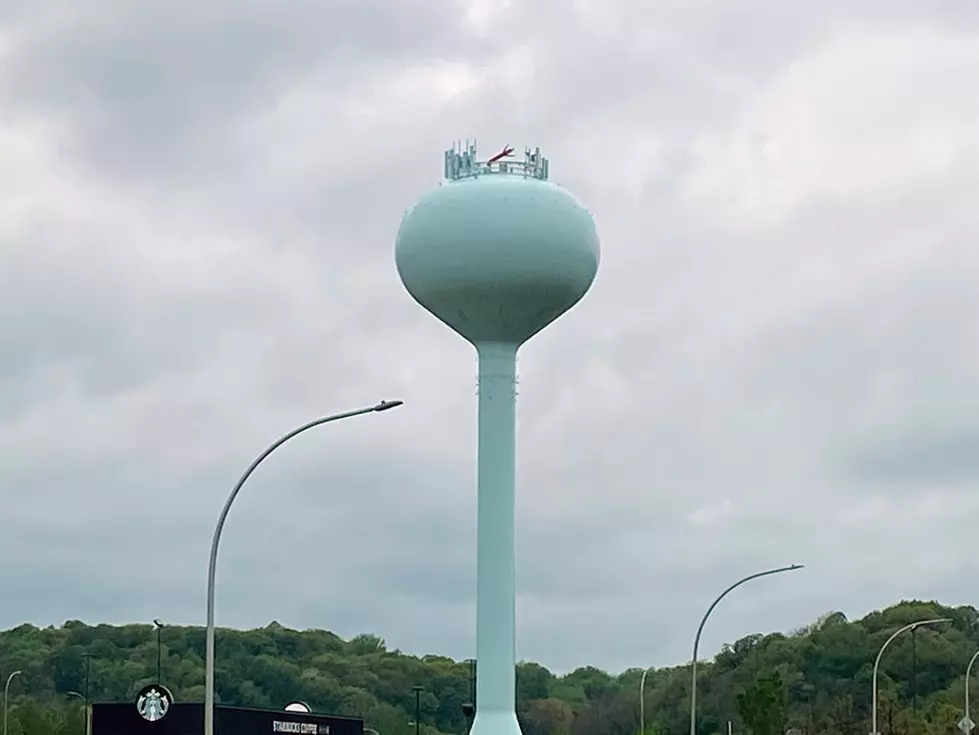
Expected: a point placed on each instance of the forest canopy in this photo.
(817, 679)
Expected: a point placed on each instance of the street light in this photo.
(159, 648)
(469, 708)
(88, 697)
(418, 699)
(909, 626)
(212, 564)
(642, 701)
(88, 675)
(6, 698)
(700, 629)
(914, 670)
(968, 674)
(84, 706)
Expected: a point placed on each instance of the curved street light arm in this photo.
(895, 634)
(968, 674)
(6, 697)
(700, 629)
(642, 700)
(212, 565)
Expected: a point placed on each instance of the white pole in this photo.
(6, 697)
(968, 674)
(642, 702)
(213, 561)
(909, 626)
(700, 629)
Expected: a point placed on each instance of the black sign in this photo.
(187, 718)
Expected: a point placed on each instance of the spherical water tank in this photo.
(496, 251)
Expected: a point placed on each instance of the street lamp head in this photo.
(385, 405)
(797, 566)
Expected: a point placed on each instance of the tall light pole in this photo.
(968, 675)
(914, 670)
(469, 708)
(88, 677)
(88, 696)
(213, 562)
(895, 634)
(642, 701)
(84, 705)
(159, 651)
(6, 698)
(418, 707)
(700, 629)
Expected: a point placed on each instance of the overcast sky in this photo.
(778, 361)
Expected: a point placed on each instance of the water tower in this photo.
(497, 253)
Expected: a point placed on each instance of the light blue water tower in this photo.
(497, 253)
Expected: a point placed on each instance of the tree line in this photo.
(816, 680)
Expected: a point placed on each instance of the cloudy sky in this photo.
(778, 361)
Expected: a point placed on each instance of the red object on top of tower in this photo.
(507, 150)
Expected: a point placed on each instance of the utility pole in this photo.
(159, 650)
(469, 708)
(472, 682)
(914, 670)
(418, 707)
(88, 677)
(88, 696)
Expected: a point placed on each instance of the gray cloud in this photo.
(156, 86)
(775, 365)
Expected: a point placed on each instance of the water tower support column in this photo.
(495, 592)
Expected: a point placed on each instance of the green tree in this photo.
(762, 705)
(824, 669)
(547, 717)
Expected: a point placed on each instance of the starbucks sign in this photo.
(153, 702)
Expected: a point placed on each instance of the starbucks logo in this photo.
(153, 702)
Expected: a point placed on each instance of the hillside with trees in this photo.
(817, 679)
